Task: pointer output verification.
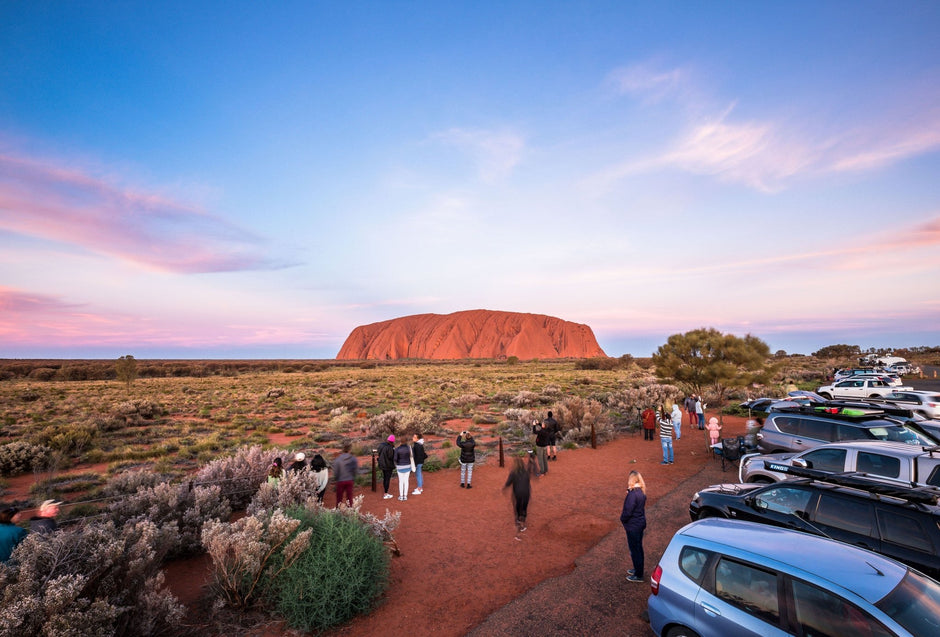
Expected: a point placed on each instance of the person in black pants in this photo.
(387, 464)
(521, 492)
(554, 432)
(633, 519)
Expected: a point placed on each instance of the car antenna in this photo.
(875, 568)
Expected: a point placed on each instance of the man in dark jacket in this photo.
(387, 464)
(420, 455)
(345, 468)
(554, 433)
(542, 440)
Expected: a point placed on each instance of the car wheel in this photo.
(710, 513)
(760, 480)
(681, 631)
(875, 396)
(826, 395)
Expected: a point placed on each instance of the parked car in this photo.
(855, 387)
(925, 403)
(891, 461)
(798, 429)
(727, 578)
(793, 399)
(842, 374)
(900, 522)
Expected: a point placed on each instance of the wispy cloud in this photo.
(648, 81)
(70, 205)
(496, 153)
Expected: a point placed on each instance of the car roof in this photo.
(869, 575)
(897, 448)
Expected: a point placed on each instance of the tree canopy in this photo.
(126, 369)
(705, 359)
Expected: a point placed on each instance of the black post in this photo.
(501, 462)
(373, 469)
(593, 437)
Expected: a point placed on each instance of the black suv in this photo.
(900, 522)
(800, 428)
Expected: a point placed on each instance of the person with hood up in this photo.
(677, 420)
(467, 458)
(714, 430)
(386, 451)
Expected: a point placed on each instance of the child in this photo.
(714, 430)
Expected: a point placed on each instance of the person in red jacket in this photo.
(649, 423)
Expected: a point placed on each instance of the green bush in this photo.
(340, 575)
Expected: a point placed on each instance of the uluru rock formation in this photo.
(471, 334)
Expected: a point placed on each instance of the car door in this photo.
(781, 504)
(910, 537)
(847, 519)
(824, 459)
(738, 599)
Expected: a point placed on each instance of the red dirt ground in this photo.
(460, 563)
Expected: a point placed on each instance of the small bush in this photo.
(525, 398)
(239, 476)
(22, 457)
(340, 574)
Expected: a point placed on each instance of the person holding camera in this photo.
(543, 438)
(467, 458)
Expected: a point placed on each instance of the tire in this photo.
(826, 395)
(875, 396)
(760, 480)
(680, 631)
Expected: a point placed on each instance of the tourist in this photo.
(649, 423)
(44, 520)
(633, 519)
(689, 405)
(700, 412)
(404, 465)
(554, 432)
(275, 472)
(467, 458)
(677, 420)
(542, 441)
(386, 452)
(714, 430)
(10, 534)
(665, 435)
(521, 492)
(299, 463)
(321, 474)
(345, 468)
(417, 450)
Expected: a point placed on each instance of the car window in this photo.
(826, 459)
(903, 530)
(848, 514)
(751, 589)
(785, 424)
(913, 603)
(824, 614)
(878, 464)
(784, 499)
(818, 429)
(692, 562)
(934, 478)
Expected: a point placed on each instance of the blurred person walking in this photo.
(10, 534)
(345, 468)
(689, 405)
(519, 480)
(633, 519)
(44, 520)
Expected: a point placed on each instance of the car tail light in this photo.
(654, 579)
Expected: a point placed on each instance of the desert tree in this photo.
(705, 359)
(126, 369)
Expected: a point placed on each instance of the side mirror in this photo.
(799, 462)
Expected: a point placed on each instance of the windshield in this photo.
(915, 604)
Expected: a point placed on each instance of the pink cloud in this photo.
(53, 202)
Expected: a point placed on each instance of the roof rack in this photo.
(835, 410)
(864, 482)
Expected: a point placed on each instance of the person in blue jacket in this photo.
(10, 534)
(633, 519)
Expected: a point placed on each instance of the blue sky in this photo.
(226, 179)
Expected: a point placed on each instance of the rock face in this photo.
(471, 334)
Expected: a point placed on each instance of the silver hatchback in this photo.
(728, 578)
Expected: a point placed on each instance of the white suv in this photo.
(859, 388)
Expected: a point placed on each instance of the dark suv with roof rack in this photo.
(900, 522)
(799, 428)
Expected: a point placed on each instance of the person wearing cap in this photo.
(10, 534)
(44, 520)
(299, 463)
(386, 451)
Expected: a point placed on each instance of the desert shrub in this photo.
(241, 553)
(91, 580)
(22, 457)
(398, 422)
(128, 482)
(69, 439)
(174, 505)
(239, 476)
(464, 401)
(577, 415)
(43, 373)
(295, 489)
(276, 392)
(432, 464)
(512, 360)
(524, 416)
(525, 398)
(135, 412)
(551, 390)
(633, 400)
(343, 422)
(484, 419)
(451, 457)
(345, 567)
